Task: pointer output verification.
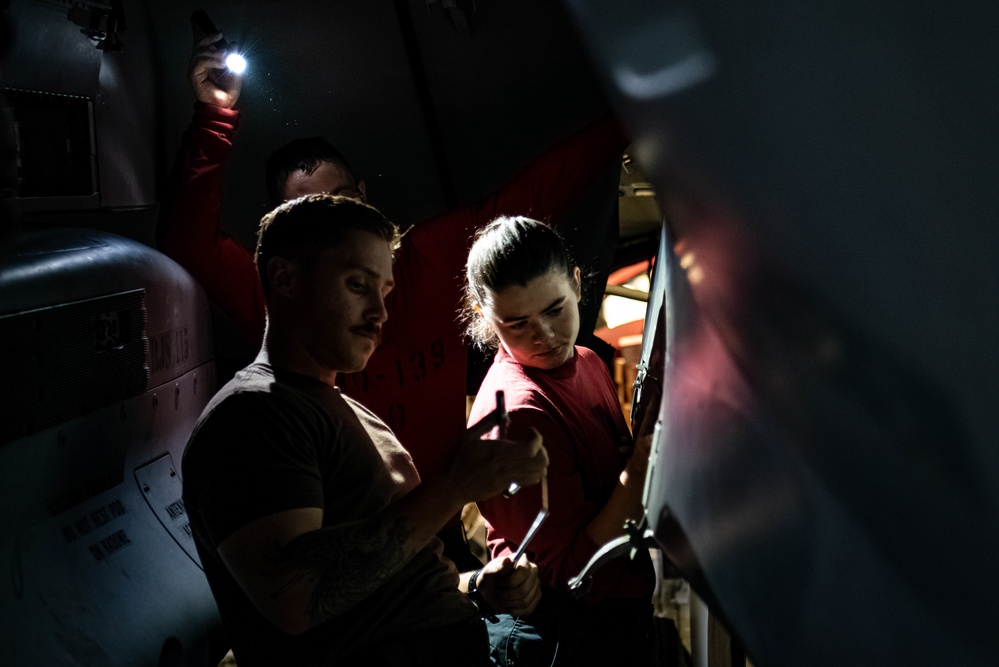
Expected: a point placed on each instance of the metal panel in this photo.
(53, 354)
(51, 55)
(161, 486)
(827, 472)
(106, 578)
(102, 570)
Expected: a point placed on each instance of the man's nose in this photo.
(376, 309)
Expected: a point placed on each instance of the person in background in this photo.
(416, 380)
(521, 297)
(316, 533)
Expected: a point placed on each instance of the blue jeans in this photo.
(564, 631)
(455, 646)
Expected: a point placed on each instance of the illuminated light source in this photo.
(236, 63)
(695, 273)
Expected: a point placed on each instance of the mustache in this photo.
(370, 330)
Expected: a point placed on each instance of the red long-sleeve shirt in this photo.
(415, 380)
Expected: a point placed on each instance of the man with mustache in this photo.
(316, 533)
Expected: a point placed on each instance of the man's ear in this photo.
(283, 276)
(363, 190)
(577, 283)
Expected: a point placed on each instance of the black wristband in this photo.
(473, 586)
(475, 595)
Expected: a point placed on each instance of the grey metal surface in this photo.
(826, 473)
(51, 55)
(93, 533)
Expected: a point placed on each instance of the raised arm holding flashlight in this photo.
(216, 69)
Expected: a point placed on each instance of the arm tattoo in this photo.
(345, 563)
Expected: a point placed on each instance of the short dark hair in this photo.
(303, 154)
(303, 228)
(508, 251)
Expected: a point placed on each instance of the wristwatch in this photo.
(475, 595)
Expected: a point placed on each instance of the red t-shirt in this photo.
(575, 408)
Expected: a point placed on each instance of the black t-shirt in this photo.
(272, 440)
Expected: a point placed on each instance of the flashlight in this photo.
(235, 62)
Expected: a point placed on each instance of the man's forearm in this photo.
(332, 569)
(345, 564)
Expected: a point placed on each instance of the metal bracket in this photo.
(100, 20)
(639, 536)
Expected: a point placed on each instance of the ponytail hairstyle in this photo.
(508, 251)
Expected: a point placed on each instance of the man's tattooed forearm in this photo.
(345, 563)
